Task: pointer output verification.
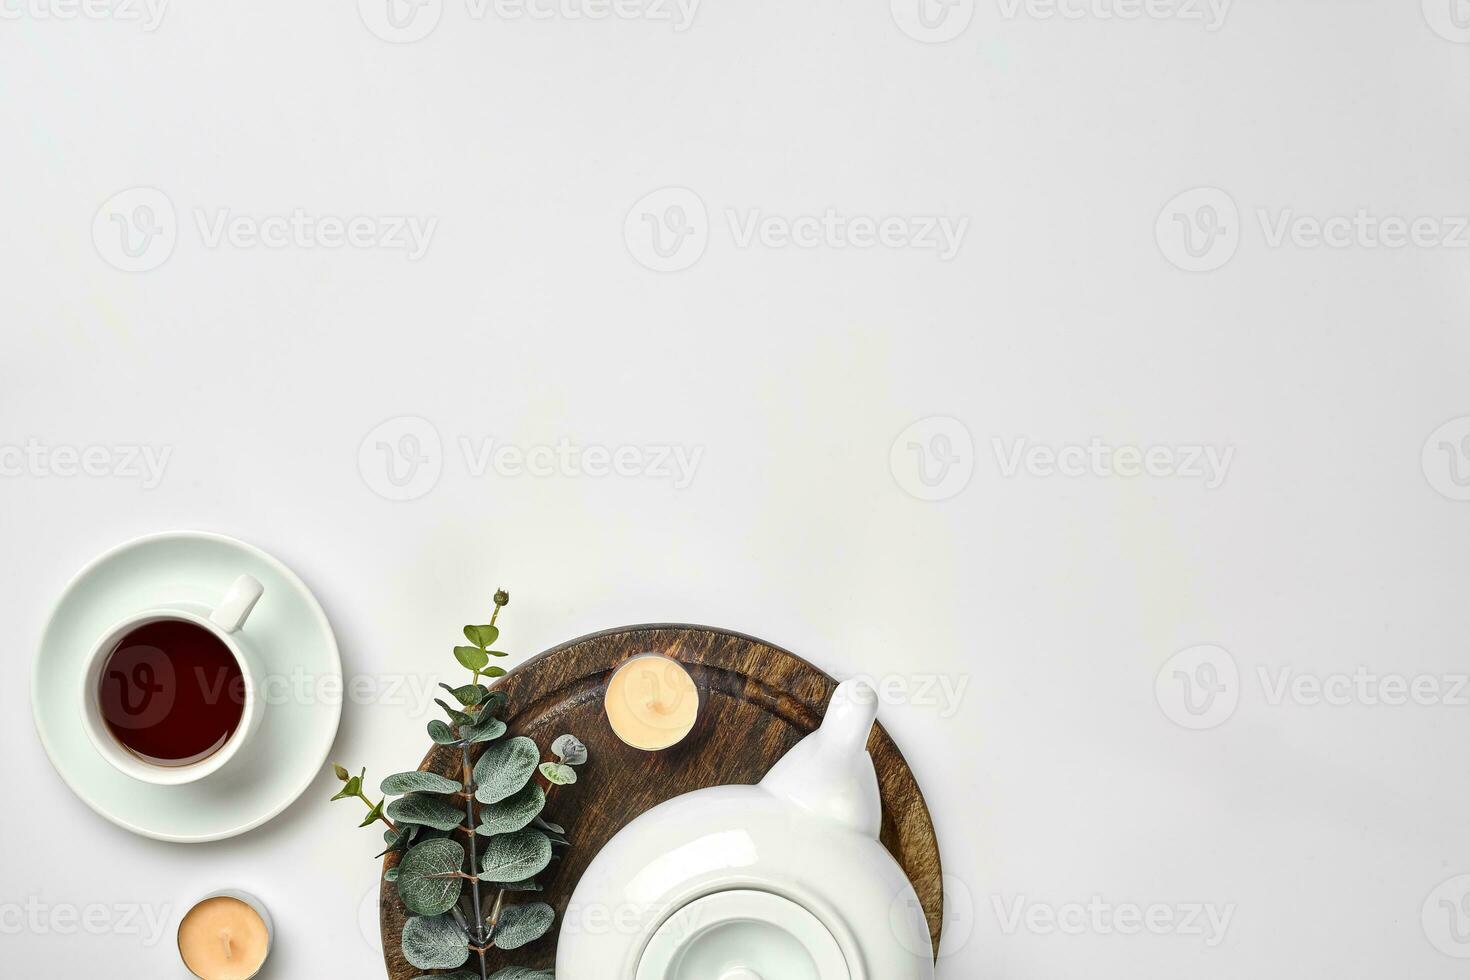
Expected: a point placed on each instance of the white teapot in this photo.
(785, 880)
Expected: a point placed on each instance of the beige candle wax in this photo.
(224, 937)
(652, 702)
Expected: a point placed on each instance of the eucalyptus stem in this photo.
(495, 915)
(469, 810)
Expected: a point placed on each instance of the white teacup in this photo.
(224, 623)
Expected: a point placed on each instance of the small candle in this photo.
(225, 937)
(651, 702)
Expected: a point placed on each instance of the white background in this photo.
(1060, 776)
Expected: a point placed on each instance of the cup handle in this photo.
(238, 603)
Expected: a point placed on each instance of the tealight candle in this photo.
(227, 936)
(651, 702)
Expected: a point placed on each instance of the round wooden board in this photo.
(757, 702)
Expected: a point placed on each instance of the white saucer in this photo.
(289, 633)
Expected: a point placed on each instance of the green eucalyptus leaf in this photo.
(455, 715)
(512, 857)
(522, 924)
(472, 658)
(442, 734)
(570, 750)
(463, 975)
(505, 768)
(497, 653)
(391, 875)
(513, 973)
(524, 885)
(429, 879)
(430, 811)
(373, 814)
(419, 782)
(493, 671)
(493, 702)
(435, 943)
(513, 813)
(541, 823)
(396, 840)
(487, 729)
(351, 789)
(557, 774)
(556, 839)
(481, 636)
(469, 695)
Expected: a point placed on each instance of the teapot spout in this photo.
(850, 717)
(830, 773)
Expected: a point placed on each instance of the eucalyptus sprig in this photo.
(352, 789)
(477, 657)
(437, 823)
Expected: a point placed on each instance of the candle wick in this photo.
(229, 950)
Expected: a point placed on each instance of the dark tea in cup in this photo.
(171, 692)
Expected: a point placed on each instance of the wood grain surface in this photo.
(757, 701)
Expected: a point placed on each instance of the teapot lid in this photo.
(743, 935)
